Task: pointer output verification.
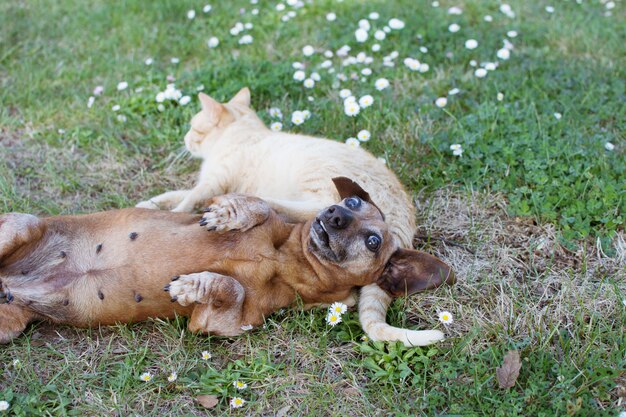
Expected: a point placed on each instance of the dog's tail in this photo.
(373, 305)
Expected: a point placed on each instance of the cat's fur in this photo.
(292, 172)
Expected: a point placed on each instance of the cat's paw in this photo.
(148, 204)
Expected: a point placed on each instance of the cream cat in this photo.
(293, 173)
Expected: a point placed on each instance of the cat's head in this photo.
(215, 117)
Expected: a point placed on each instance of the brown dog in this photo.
(111, 267)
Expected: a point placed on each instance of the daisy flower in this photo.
(413, 64)
(116, 107)
(4, 405)
(374, 15)
(380, 35)
(246, 40)
(184, 100)
(471, 44)
(480, 73)
(213, 42)
(381, 84)
(306, 114)
(446, 317)
(345, 93)
(511, 34)
(148, 61)
(275, 112)
(276, 126)
(123, 85)
(299, 75)
(453, 28)
(206, 355)
(98, 90)
(280, 7)
(424, 68)
(351, 109)
(488, 18)
(396, 24)
(90, 102)
(503, 54)
(146, 377)
(121, 118)
(174, 60)
(364, 24)
(172, 377)
(549, 9)
(308, 50)
(207, 8)
(191, 14)
(353, 142)
(240, 385)
(500, 97)
(558, 116)
(309, 83)
(331, 17)
(366, 101)
(315, 76)
(237, 402)
(297, 118)
(340, 308)
(361, 35)
(333, 318)
(454, 92)
(457, 150)
(441, 102)
(609, 147)
(376, 47)
(363, 135)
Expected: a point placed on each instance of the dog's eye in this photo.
(353, 203)
(373, 242)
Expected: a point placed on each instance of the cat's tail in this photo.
(373, 305)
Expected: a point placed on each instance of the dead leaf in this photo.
(207, 401)
(282, 412)
(509, 371)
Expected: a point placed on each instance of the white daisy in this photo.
(455, 10)
(424, 68)
(376, 47)
(240, 385)
(308, 50)
(172, 377)
(315, 76)
(558, 116)
(191, 14)
(148, 61)
(174, 60)
(381, 84)
(116, 107)
(488, 18)
(205, 355)
(331, 17)
(454, 92)
(511, 34)
(471, 44)
(246, 40)
(309, 83)
(184, 100)
(297, 117)
(213, 42)
(500, 97)
(380, 35)
(441, 102)
(351, 109)
(345, 93)
(453, 28)
(275, 112)
(4, 405)
(503, 54)
(337, 307)
(207, 8)
(366, 101)
(549, 9)
(90, 102)
(332, 318)
(446, 317)
(361, 35)
(363, 135)
(146, 377)
(237, 402)
(374, 16)
(299, 75)
(609, 147)
(280, 7)
(457, 150)
(364, 24)
(123, 85)
(480, 73)
(396, 24)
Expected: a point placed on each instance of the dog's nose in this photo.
(337, 217)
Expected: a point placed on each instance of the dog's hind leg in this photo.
(219, 300)
(13, 321)
(16, 230)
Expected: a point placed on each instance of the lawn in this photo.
(530, 214)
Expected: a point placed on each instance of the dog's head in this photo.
(210, 122)
(352, 240)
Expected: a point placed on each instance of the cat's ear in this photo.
(242, 97)
(210, 106)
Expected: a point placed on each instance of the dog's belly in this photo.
(111, 267)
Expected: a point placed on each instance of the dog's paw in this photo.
(205, 288)
(148, 204)
(231, 212)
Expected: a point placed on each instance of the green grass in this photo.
(549, 290)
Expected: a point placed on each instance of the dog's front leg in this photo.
(235, 212)
(219, 302)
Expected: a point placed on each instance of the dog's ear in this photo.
(348, 188)
(210, 106)
(242, 97)
(411, 271)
